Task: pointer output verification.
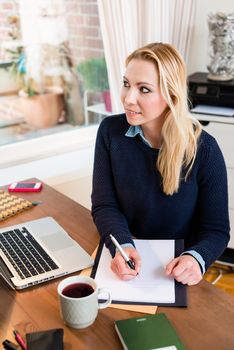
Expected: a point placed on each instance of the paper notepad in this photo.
(152, 286)
(146, 309)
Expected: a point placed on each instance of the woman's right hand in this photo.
(121, 268)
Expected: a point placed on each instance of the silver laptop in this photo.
(37, 251)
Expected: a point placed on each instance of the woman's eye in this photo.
(125, 83)
(144, 90)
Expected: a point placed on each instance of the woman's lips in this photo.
(128, 111)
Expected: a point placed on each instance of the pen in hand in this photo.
(122, 252)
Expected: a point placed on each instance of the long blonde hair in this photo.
(180, 130)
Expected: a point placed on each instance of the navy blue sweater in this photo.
(127, 196)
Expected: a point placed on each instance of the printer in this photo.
(209, 96)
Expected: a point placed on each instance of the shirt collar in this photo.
(135, 130)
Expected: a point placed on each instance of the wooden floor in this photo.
(221, 276)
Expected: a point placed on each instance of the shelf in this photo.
(98, 108)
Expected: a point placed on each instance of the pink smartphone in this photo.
(25, 187)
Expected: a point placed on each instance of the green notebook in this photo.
(149, 332)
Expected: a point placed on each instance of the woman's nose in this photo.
(131, 96)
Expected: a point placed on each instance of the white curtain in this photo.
(129, 24)
(182, 19)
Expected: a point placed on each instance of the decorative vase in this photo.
(221, 50)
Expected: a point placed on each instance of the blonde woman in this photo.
(157, 175)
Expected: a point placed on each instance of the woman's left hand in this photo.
(185, 269)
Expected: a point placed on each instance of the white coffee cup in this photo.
(77, 309)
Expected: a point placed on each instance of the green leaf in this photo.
(94, 74)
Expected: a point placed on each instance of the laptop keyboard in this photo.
(25, 254)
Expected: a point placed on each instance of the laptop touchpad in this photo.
(57, 241)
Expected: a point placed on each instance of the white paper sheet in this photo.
(152, 285)
(214, 110)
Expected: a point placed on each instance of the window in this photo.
(52, 56)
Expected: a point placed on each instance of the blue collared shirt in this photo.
(137, 130)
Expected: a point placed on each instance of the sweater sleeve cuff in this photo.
(198, 257)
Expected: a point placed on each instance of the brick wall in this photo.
(85, 38)
(7, 8)
(84, 30)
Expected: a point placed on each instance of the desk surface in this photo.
(207, 322)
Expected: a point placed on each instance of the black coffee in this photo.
(78, 290)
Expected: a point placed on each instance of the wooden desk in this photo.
(207, 323)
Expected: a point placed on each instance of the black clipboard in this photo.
(180, 289)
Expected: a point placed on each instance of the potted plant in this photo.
(94, 74)
(42, 110)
